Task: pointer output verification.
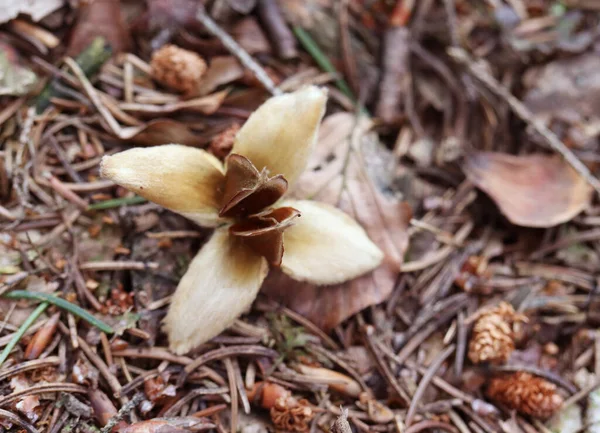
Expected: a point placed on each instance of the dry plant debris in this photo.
(425, 127)
(493, 334)
(526, 393)
(177, 68)
(518, 184)
(243, 197)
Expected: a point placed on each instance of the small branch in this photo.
(125, 409)
(281, 35)
(477, 70)
(235, 49)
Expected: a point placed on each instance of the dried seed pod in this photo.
(493, 334)
(267, 393)
(222, 143)
(338, 381)
(177, 68)
(291, 415)
(527, 394)
(42, 338)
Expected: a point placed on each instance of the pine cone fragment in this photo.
(177, 68)
(493, 334)
(527, 394)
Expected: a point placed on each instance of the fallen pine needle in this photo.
(22, 330)
(61, 303)
(324, 63)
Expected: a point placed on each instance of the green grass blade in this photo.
(116, 202)
(22, 330)
(61, 303)
(322, 60)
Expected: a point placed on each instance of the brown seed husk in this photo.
(177, 68)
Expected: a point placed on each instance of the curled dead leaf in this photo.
(530, 190)
(161, 131)
(99, 18)
(221, 70)
(349, 168)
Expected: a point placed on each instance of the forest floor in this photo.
(462, 135)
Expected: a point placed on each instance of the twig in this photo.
(427, 377)
(368, 332)
(62, 157)
(22, 330)
(429, 425)
(281, 35)
(42, 389)
(233, 394)
(125, 409)
(29, 365)
(118, 266)
(18, 421)
(583, 393)
(478, 70)
(223, 353)
(235, 49)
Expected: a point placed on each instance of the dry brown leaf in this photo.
(566, 88)
(250, 36)
(530, 190)
(222, 70)
(354, 182)
(99, 18)
(29, 405)
(37, 10)
(161, 131)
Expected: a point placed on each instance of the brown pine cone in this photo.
(177, 68)
(493, 335)
(527, 394)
